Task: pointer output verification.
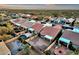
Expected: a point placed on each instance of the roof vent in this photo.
(60, 51)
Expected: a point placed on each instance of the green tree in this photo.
(9, 27)
(5, 37)
(3, 30)
(26, 49)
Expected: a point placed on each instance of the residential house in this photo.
(31, 31)
(51, 32)
(45, 38)
(70, 20)
(27, 24)
(37, 27)
(69, 39)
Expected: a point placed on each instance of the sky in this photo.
(41, 6)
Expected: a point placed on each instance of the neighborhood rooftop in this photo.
(24, 32)
(51, 31)
(39, 44)
(73, 36)
(37, 27)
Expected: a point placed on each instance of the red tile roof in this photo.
(27, 24)
(52, 31)
(58, 26)
(17, 20)
(20, 21)
(23, 22)
(37, 27)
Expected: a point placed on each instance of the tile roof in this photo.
(27, 24)
(37, 27)
(19, 21)
(39, 43)
(24, 23)
(73, 36)
(51, 31)
(58, 26)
